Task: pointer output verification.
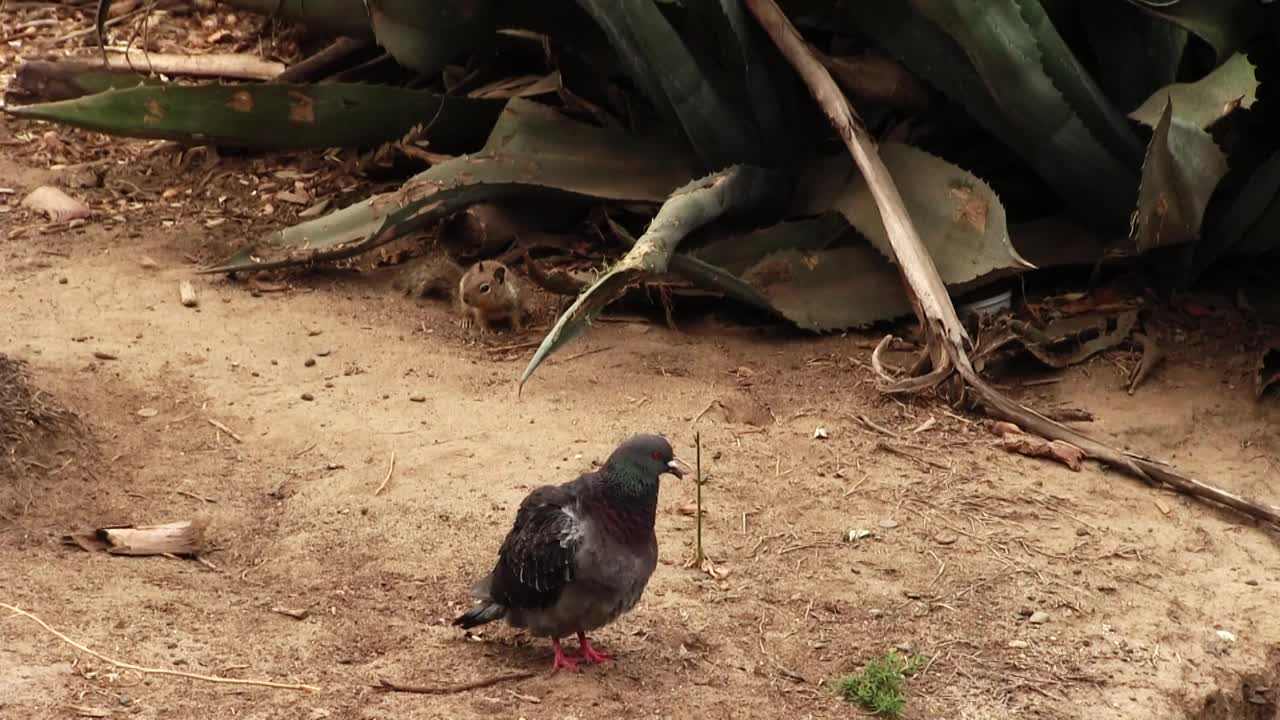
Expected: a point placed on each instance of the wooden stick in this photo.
(929, 296)
(239, 66)
(390, 685)
(155, 671)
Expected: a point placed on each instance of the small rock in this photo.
(148, 412)
(945, 538)
(1082, 531)
(308, 397)
(1038, 617)
(889, 524)
(912, 594)
(1226, 636)
(104, 355)
(821, 434)
(147, 263)
(323, 353)
(1251, 581)
(905, 647)
(63, 281)
(875, 612)
(417, 398)
(1018, 644)
(313, 333)
(309, 362)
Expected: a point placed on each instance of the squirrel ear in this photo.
(500, 274)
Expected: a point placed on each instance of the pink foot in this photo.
(589, 653)
(561, 661)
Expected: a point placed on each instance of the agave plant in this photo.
(1116, 108)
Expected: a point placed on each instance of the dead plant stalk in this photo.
(947, 338)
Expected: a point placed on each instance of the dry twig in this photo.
(155, 671)
(390, 685)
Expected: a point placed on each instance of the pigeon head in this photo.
(646, 455)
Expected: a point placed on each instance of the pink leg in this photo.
(560, 660)
(589, 653)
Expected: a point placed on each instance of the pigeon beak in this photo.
(673, 467)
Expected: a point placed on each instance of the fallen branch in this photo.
(238, 66)
(930, 300)
(392, 686)
(155, 671)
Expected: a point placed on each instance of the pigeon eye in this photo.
(656, 455)
(484, 288)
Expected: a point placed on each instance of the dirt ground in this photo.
(968, 540)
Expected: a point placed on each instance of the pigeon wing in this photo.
(537, 558)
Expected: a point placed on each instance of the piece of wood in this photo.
(235, 65)
(947, 339)
(183, 537)
(187, 294)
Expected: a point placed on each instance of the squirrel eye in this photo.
(484, 288)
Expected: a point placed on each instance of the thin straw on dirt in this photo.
(156, 671)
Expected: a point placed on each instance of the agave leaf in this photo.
(426, 34)
(1082, 94)
(1182, 168)
(1201, 103)
(345, 17)
(275, 116)
(736, 189)
(1138, 53)
(736, 253)
(992, 66)
(793, 267)
(960, 217)
(660, 63)
(831, 289)
(1240, 227)
(704, 274)
(40, 81)
(1226, 25)
(750, 72)
(533, 150)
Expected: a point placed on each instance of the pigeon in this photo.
(579, 554)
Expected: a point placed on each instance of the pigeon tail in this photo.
(480, 615)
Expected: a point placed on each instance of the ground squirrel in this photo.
(489, 292)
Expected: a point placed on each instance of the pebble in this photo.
(417, 398)
(905, 647)
(1251, 582)
(309, 362)
(62, 281)
(323, 353)
(308, 397)
(1018, 644)
(148, 412)
(1081, 531)
(945, 538)
(875, 612)
(103, 355)
(888, 524)
(1038, 617)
